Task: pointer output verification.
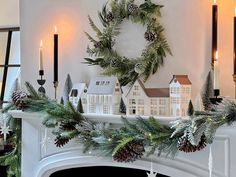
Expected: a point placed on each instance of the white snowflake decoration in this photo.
(45, 140)
(152, 173)
(5, 130)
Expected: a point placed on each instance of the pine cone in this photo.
(130, 152)
(61, 141)
(18, 99)
(98, 44)
(185, 145)
(132, 8)
(149, 36)
(110, 17)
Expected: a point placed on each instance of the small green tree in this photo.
(122, 106)
(80, 106)
(67, 89)
(190, 108)
(207, 92)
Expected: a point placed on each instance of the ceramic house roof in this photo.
(155, 92)
(102, 85)
(182, 79)
(80, 88)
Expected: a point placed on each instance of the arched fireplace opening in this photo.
(103, 171)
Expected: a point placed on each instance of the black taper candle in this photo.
(55, 56)
(235, 43)
(214, 31)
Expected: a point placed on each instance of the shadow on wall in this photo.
(102, 171)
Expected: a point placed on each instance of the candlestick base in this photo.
(216, 92)
(234, 78)
(216, 99)
(55, 84)
(41, 82)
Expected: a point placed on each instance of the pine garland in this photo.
(130, 141)
(111, 17)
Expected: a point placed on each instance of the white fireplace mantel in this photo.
(42, 159)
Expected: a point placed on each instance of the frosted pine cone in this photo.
(185, 145)
(18, 99)
(132, 8)
(149, 36)
(130, 152)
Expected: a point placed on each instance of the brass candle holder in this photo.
(234, 78)
(55, 84)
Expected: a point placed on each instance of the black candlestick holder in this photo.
(41, 82)
(216, 99)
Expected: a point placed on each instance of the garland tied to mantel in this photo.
(134, 138)
(126, 69)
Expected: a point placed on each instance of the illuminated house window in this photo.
(140, 110)
(106, 109)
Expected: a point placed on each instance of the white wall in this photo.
(188, 29)
(9, 16)
(9, 13)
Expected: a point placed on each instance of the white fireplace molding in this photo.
(38, 161)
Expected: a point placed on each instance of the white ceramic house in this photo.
(104, 96)
(172, 101)
(147, 101)
(79, 91)
(180, 95)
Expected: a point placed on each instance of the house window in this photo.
(92, 108)
(106, 109)
(91, 99)
(117, 89)
(153, 101)
(97, 99)
(187, 90)
(74, 93)
(117, 84)
(175, 100)
(132, 110)
(136, 87)
(97, 83)
(107, 82)
(140, 101)
(162, 111)
(105, 99)
(154, 110)
(162, 102)
(136, 94)
(141, 110)
(132, 101)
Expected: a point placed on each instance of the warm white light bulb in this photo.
(217, 55)
(55, 29)
(214, 1)
(41, 43)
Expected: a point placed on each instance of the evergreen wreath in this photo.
(126, 69)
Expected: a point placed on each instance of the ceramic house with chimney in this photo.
(79, 91)
(180, 95)
(104, 96)
(172, 101)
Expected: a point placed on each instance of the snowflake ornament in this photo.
(5, 130)
(152, 173)
(45, 140)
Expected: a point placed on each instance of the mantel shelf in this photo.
(94, 117)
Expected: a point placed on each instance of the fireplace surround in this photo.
(40, 157)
